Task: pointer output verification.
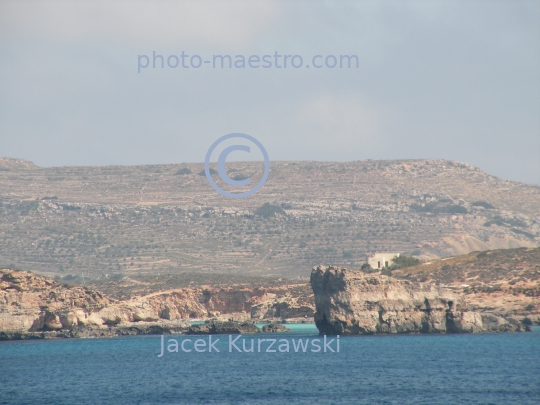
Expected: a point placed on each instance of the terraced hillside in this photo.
(166, 218)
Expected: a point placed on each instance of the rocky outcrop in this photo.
(275, 328)
(214, 327)
(31, 303)
(283, 308)
(33, 306)
(154, 328)
(350, 302)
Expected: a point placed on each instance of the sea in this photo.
(502, 368)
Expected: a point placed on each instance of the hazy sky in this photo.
(455, 80)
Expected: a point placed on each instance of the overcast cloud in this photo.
(453, 80)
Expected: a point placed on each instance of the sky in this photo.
(457, 80)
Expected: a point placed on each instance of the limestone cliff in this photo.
(36, 306)
(34, 303)
(283, 308)
(350, 302)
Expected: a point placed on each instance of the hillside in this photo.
(505, 280)
(166, 219)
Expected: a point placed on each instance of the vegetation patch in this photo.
(212, 172)
(400, 262)
(183, 171)
(483, 204)
(268, 210)
(435, 208)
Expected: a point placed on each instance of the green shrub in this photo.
(71, 208)
(183, 171)
(453, 209)
(484, 204)
(526, 321)
(212, 172)
(268, 210)
(366, 268)
(386, 271)
(402, 261)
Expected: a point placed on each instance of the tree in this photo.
(402, 261)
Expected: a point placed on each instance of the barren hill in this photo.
(168, 219)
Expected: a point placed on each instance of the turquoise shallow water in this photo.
(309, 328)
(302, 328)
(447, 369)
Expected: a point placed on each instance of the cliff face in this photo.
(31, 304)
(294, 302)
(350, 302)
(283, 307)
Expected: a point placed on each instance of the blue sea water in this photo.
(420, 369)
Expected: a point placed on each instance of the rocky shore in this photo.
(212, 327)
(350, 302)
(36, 307)
(344, 302)
(275, 328)
(144, 328)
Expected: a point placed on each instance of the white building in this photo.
(380, 260)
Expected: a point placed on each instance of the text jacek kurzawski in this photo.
(239, 344)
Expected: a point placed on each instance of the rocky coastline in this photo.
(346, 302)
(141, 328)
(213, 327)
(350, 302)
(37, 307)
